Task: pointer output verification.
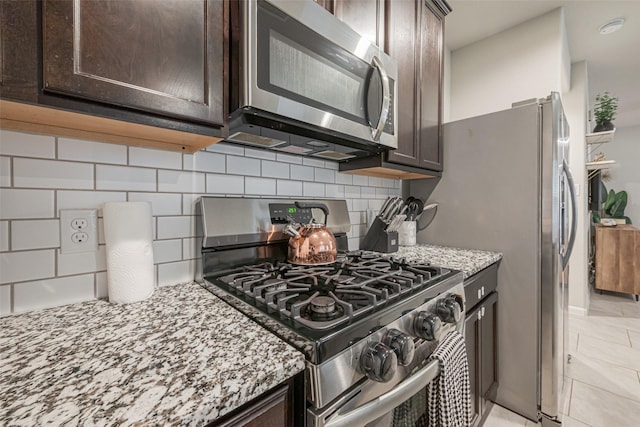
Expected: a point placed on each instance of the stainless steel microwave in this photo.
(304, 82)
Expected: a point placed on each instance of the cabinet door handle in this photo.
(479, 314)
(479, 293)
(482, 311)
(482, 290)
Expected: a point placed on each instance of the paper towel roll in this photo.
(129, 246)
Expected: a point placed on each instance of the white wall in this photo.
(625, 174)
(41, 174)
(524, 62)
(576, 103)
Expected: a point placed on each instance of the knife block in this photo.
(379, 240)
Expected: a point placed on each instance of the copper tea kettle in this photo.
(313, 243)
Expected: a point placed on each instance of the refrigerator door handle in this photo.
(574, 215)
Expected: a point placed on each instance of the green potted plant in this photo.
(605, 111)
(613, 207)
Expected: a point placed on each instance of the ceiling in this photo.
(613, 60)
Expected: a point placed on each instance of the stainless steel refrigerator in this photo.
(507, 187)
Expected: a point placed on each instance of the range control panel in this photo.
(285, 213)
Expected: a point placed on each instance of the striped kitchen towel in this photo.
(449, 394)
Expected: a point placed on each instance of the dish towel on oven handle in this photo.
(446, 401)
(449, 394)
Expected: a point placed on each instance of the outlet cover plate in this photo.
(69, 218)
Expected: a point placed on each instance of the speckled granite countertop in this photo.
(469, 261)
(182, 357)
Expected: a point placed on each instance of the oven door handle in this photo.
(385, 403)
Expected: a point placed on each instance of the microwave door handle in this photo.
(574, 214)
(386, 98)
(386, 403)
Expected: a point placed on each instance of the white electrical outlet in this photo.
(78, 230)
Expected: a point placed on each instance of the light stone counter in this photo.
(183, 357)
(469, 261)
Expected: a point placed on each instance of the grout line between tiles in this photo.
(608, 391)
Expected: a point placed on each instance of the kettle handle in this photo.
(320, 206)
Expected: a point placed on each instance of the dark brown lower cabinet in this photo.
(481, 342)
(283, 406)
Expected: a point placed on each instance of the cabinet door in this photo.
(365, 16)
(402, 37)
(430, 70)
(488, 347)
(164, 57)
(327, 4)
(472, 342)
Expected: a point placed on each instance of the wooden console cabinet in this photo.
(618, 259)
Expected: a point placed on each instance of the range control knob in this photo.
(378, 362)
(402, 344)
(449, 309)
(427, 325)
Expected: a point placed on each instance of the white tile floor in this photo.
(603, 384)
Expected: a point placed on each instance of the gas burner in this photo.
(322, 304)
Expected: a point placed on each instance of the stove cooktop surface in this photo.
(328, 306)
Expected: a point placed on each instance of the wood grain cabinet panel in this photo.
(618, 259)
(163, 57)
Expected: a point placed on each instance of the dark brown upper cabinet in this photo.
(412, 32)
(163, 57)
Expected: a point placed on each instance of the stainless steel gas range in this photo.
(366, 323)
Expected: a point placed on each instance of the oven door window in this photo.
(299, 64)
(413, 412)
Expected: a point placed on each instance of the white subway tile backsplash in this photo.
(259, 186)
(203, 161)
(259, 154)
(36, 173)
(227, 148)
(181, 182)
(26, 265)
(161, 203)
(382, 193)
(5, 172)
(288, 158)
(325, 175)
(352, 191)
(331, 165)
(225, 184)
(93, 152)
(354, 243)
(367, 192)
(302, 173)
(243, 166)
(313, 162)
(5, 300)
(289, 188)
(176, 272)
(83, 262)
(360, 180)
(173, 227)
(357, 217)
(375, 181)
(312, 189)
(167, 251)
(27, 144)
(191, 248)
(275, 169)
(4, 236)
(125, 178)
(334, 191)
(155, 158)
(53, 292)
(344, 178)
(102, 285)
(189, 203)
(26, 203)
(360, 205)
(172, 182)
(88, 199)
(35, 234)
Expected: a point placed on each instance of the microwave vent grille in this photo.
(255, 140)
